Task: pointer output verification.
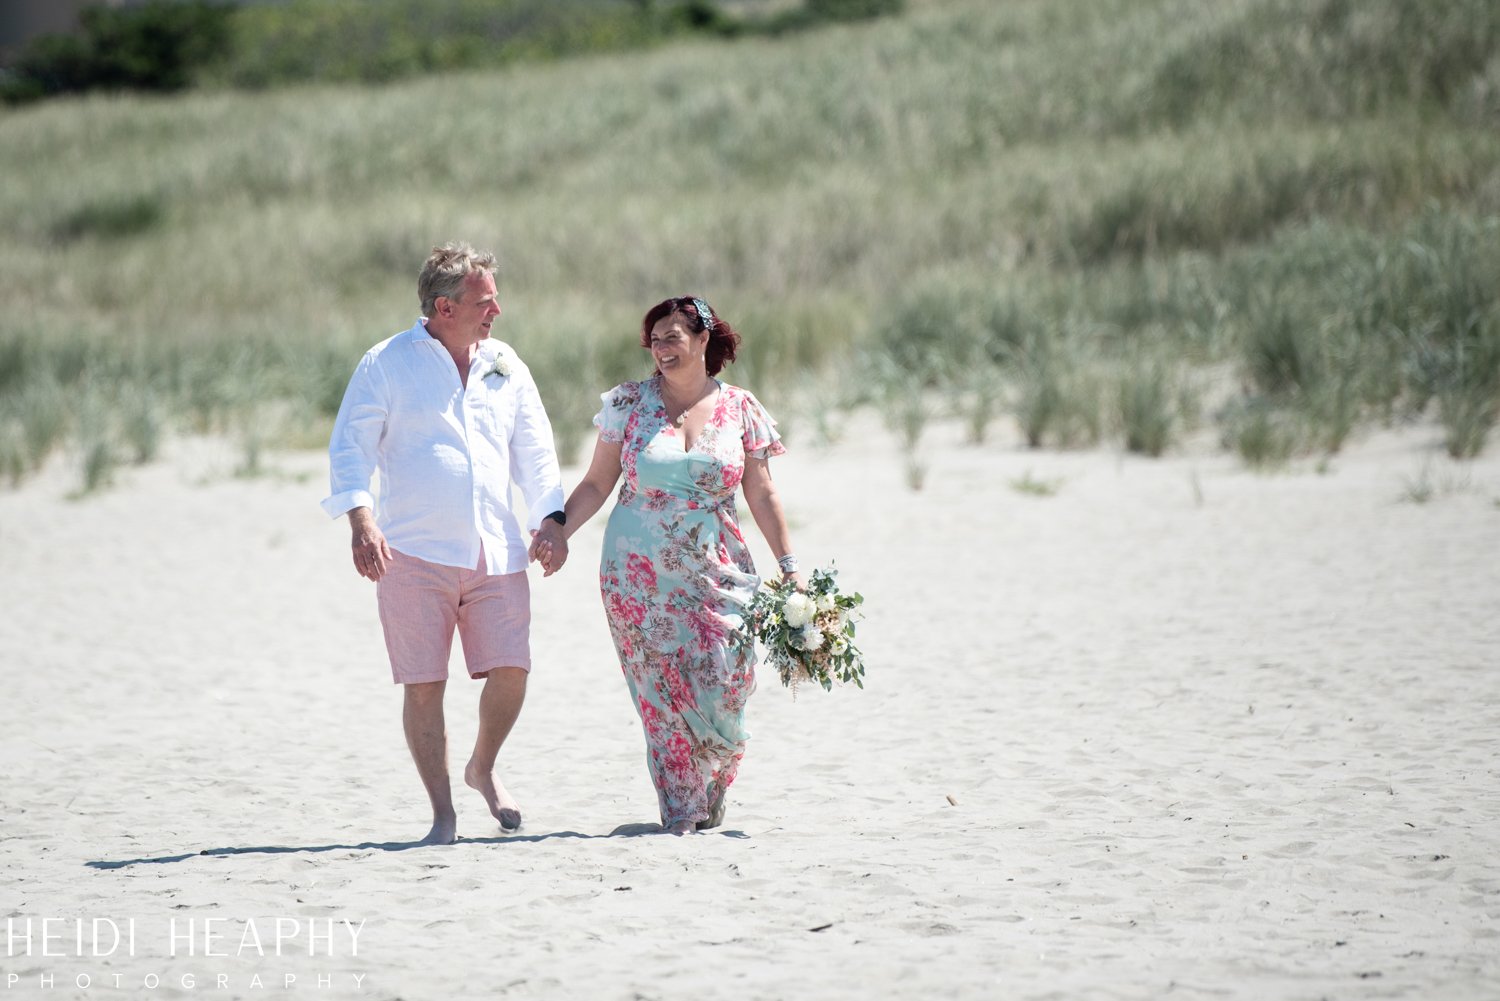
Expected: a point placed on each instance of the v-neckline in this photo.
(661, 409)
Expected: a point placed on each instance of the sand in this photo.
(1176, 728)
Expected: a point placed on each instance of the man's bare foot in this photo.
(444, 831)
(502, 807)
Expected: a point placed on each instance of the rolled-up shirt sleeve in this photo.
(533, 458)
(353, 446)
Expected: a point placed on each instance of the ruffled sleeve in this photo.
(614, 413)
(761, 438)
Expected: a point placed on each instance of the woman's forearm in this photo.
(765, 508)
(583, 503)
(589, 496)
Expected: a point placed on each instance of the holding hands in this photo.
(549, 547)
(372, 553)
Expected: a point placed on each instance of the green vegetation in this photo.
(1030, 485)
(1424, 486)
(161, 47)
(387, 40)
(1078, 214)
(1149, 404)
(169, 45)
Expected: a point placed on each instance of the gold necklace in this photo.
(681, 417)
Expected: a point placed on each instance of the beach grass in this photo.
(1019, 203)
(1149, 402)
(1034, 486)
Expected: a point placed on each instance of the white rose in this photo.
(799, 610)
(827, 603)
(812, 638)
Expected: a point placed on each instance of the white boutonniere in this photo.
(502, 366)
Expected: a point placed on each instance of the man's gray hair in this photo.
(446, 268)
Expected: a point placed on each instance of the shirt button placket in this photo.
(472, 439)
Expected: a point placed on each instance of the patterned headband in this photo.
(705, 314)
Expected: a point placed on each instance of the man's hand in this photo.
(372, 555)
(549, 547)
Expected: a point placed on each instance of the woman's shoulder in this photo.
(625, 392)
(739, 396)
(619, 409)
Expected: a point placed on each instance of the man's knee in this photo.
(508, 677)
(425, 693)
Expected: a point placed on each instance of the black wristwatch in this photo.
(558, 517)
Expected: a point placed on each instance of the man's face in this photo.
(475, 309)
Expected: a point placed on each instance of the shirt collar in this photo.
(419, 332)
(489, 348)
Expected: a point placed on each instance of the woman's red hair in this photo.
(722, 338)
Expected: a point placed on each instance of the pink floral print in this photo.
(676, 578)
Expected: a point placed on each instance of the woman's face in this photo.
(674, 346)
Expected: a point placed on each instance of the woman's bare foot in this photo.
(502, 807)
(680, 828)
(716, 807)
(444, 831)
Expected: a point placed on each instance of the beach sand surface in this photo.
(1133, 728)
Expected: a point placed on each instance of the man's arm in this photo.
(352, 452)
(534, 468)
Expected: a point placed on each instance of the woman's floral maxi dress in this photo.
(676, 578)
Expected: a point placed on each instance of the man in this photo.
(450, 418)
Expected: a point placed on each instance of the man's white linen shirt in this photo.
(447, 454)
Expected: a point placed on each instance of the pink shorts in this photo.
(421, 603)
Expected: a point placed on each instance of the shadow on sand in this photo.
(623, 831)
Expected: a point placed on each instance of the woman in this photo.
(675, 573)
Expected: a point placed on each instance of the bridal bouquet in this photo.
(809, 635)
